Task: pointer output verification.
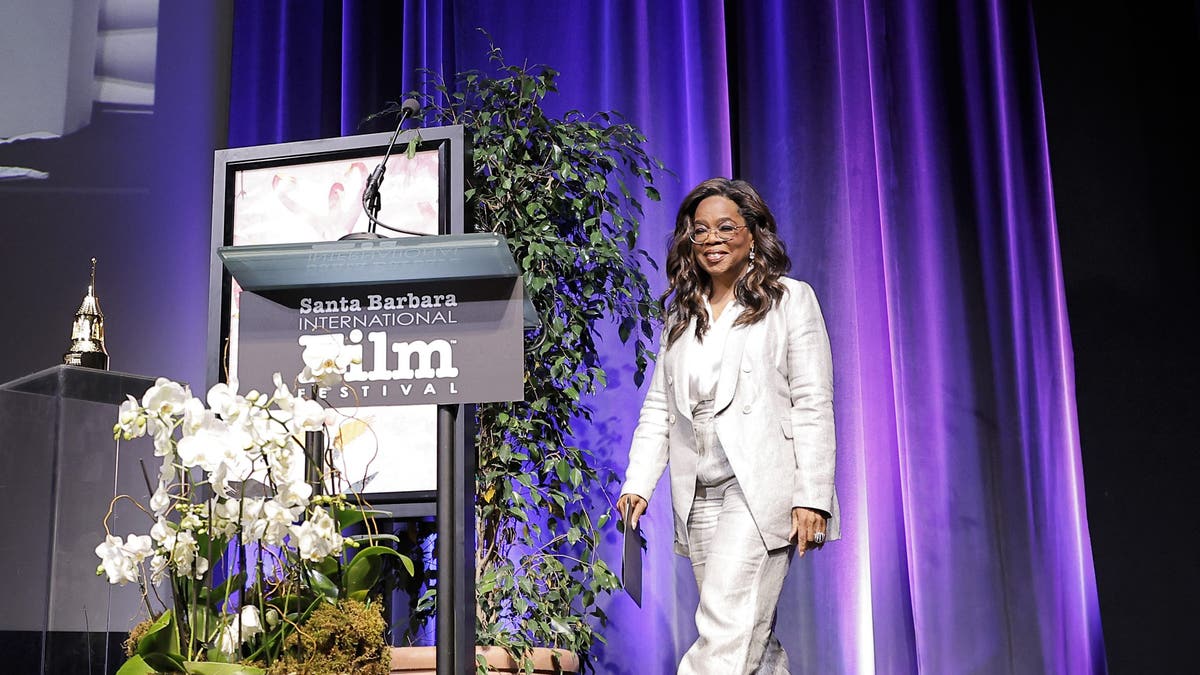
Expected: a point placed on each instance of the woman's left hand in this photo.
(806, 523)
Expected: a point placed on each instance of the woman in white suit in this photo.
(740, 406)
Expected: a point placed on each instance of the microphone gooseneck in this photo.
(371, 201)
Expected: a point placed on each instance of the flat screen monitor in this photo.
(312, 191)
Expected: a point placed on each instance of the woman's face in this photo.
(723, 260)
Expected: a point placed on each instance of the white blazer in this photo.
(773, 413)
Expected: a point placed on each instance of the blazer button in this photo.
(671, 419)
(746, 368)
(746, 410)
(670, 380)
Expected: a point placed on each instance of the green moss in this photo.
(336, 640)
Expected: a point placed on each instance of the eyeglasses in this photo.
(725, 232)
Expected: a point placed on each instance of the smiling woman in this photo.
(741, 406)
(722, 249)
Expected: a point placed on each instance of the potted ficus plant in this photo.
(246, 568)
(565, 192)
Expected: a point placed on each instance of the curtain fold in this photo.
(902, 147)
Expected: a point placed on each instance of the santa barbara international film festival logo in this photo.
(372, 331)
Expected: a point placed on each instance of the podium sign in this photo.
(454, 341)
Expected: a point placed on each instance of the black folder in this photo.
(631, 560)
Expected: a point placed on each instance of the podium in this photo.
(438, 320)
(59, 472)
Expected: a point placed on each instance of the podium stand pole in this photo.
(455, 548)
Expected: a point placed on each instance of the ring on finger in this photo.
(819, 538)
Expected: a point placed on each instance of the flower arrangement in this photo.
(249, 550)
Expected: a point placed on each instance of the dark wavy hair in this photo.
(757, 290)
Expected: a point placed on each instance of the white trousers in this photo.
(739, 582)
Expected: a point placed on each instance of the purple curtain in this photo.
(902, 147)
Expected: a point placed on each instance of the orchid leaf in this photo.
(164, 663)
(370, 539)
(210, 668)
(362, 573)
(354, 515)
(328, 566)
(136, 665)
(323, 585)
(161, 637)
(367, 566)
(204, 621)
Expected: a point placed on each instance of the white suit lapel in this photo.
(677, 377)
(731, 359)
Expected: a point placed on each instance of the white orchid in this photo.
(160, 565)
(165, 398)
(179, 547)
(164, 445)
(167, 471)
(234, 466)
(196, 416)
(184, 552)
(120, 560)
(225, 401)
(308, 415)
(318, 537)
(205, 448)
(277, 520)
(254, 526)
(226, 517)
(294, 494)
(160, 501)
(245, 625)
(326, 358)
(283, 395)
(131, 419)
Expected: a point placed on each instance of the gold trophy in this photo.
(87, 333)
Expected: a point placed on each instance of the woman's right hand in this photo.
(630, 501)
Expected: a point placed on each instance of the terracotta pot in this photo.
(423, 661)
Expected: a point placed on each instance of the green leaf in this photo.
(210, 668)
(354, 515)
(327, 566)
(367, 566)
(164, 663)
(372, 539)
(162, 636)
(559, 625)
(322, 584)
(203, 621)
(136, 665)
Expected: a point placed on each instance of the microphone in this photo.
(370, 200)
